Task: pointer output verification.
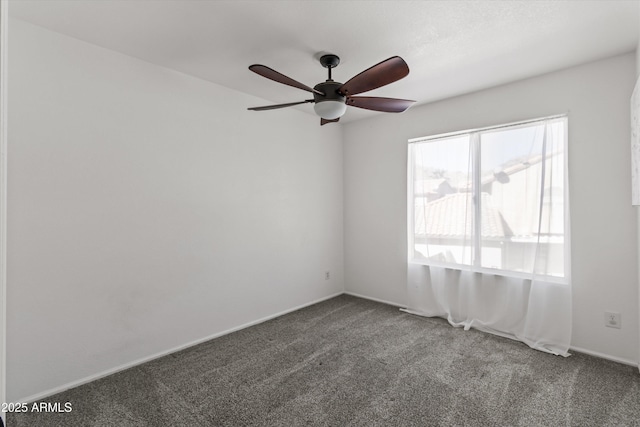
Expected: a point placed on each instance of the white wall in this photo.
(4, 8)
(603, 223)
(638, 210)
(638, 48)
(149, 209)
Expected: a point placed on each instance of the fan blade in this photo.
(388, 71)
(280, 78)
(325, 121)
(388, 105)
(273, 107)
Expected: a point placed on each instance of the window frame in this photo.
(475, 146)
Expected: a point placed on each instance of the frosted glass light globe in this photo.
(330, 110)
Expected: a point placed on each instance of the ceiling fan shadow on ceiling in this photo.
(331, 99)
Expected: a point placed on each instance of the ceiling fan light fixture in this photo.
(330, 110)
(331, 98)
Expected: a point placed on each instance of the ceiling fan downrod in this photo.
(329, 61)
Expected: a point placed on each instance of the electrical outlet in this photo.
(327, 275)
(612, 320)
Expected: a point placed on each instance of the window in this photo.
(491, 200)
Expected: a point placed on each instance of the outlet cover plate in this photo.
(612, 320)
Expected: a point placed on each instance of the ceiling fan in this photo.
(332, 98)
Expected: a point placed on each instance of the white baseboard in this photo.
(605, 356)
(573, 348)
(142, 360)
(395, 304)
(56, 390)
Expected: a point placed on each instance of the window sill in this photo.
(492, 271)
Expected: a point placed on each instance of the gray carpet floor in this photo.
(353, 362)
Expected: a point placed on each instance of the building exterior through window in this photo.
(492, 199)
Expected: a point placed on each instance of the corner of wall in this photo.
(342, 141)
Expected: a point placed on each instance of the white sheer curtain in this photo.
(489, 232)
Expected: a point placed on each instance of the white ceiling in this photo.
(452, 47)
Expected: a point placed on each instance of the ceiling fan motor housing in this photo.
(332, 104)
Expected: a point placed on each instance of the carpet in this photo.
(353, 362)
